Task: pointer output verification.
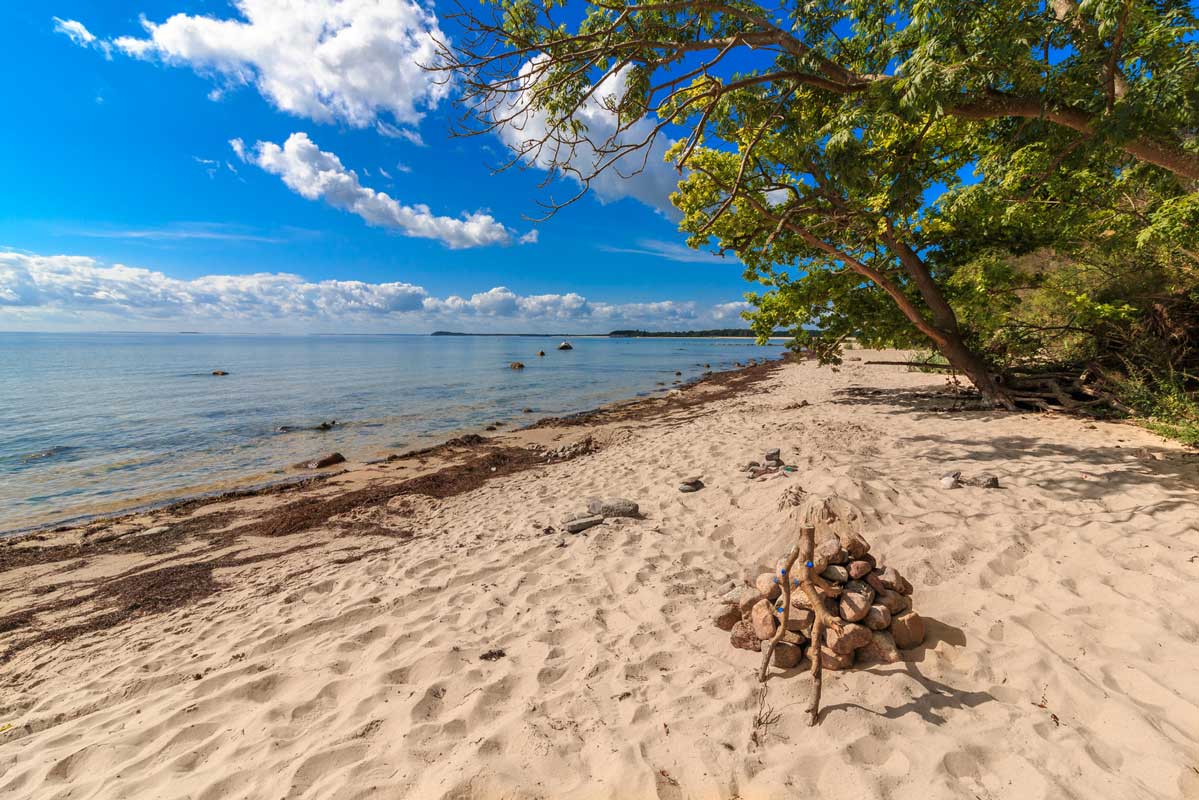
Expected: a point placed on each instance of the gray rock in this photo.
(987, 481)
(582, 523)
(951, 480)
(774, 455)
(613, 507)
(691, 486)
(835, 573)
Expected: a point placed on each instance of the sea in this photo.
(91, 424)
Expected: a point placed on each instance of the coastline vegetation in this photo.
(1014, 185)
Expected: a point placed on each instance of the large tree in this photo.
(813, 139)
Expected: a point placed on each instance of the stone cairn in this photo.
(827, 599)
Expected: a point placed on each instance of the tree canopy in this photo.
(1012, 183)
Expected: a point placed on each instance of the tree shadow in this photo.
(937, 697)
(921, 401)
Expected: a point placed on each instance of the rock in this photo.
(787, 656)
(774, 455)
(879, 650)
(749, 599)
(219, 372)
(692, 479)
(877, 618)
(326, 426)
(859, 569)
(582, 522)
(907, 629)
(856, 601)
(752, 465)
(830, 659)
(323, 461)
(565, 346)
(893, 601)
(828, 551)
(835, 573)
(526, 411)
(489, 428)
(613, 507)
(767, 586)
(951, 480)
(987, 481)
(891, 579)
(690, 487)
(793, 637)
(541, 354)
(726, 617)
(876, 583)
(762, 620)
(849, 639)
(742, 636)
(516, 365)
(800, 620)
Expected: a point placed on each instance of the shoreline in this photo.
(428, 628)
(303, 479)
(257, 483)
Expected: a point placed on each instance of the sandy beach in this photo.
(424, 627)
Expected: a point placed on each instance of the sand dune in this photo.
(1062, 610)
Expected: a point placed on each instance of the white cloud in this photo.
(345, 60)
(734, 309)
(671, 251)
(78, 33)
(81, 291)
(642, 174)
(313, 173)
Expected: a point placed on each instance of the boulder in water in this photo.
(565, 346)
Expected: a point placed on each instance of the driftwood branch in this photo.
(814, 589)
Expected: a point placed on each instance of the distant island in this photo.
(714, 333)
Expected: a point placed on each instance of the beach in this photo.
(424, 627)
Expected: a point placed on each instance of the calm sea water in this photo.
(91, 423)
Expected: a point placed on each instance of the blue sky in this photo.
(126, 207)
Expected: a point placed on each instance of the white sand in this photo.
(1062, 659)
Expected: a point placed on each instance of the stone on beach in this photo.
(848, 639)
(859, 569)
(835, 573)
(877, 618)
(856, 601)
(830, 659)
(768, 586)
(762, 620)
(516, 365)
(880, 649)
(742, 636)
(908, 630)
(692, 483)
(582, 522)
(612, 507)
(726, 617)
(749, 599)
(787, 656)
(323, 461)
(893, 601)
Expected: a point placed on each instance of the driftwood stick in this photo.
(815, 657)
(784, 578)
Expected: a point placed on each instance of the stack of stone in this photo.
(873, 601)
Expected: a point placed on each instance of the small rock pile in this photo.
(599, 509)
(770, 464)
(568, 451)
(874, 602)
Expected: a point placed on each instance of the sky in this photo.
(286, 166)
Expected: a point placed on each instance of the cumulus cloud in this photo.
(642, 174)
(328, 60)
(316, 174)
(80, 288)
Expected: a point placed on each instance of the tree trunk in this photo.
(970, 364)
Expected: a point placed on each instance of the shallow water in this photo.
(90, 423)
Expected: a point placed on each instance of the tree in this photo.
(813, 139)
